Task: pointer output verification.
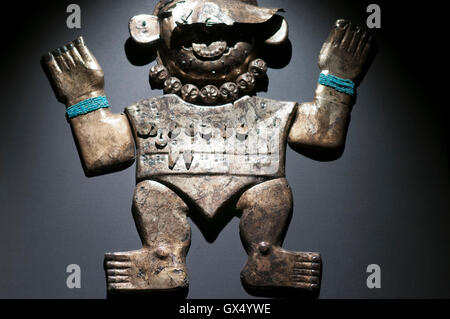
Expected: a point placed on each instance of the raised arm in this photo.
(104, 139)
(322, 123)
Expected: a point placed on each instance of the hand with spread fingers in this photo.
(75, 72)
(346, 50)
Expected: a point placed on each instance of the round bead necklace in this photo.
(209, 94)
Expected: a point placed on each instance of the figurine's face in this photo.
(208, 47)
(202, 54)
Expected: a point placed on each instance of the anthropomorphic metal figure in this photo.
(209, 144)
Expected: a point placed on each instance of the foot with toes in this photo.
(271, 267)
(145, 270)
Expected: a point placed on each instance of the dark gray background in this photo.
(385, 201)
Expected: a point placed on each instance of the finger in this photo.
(60, 60)
(67, 58)
(338, 32)
(355, 40)
(75, 54)
(366, 50)
(347, 38)
(365, 38)
(85, 53)
(332, 34)
(51, 65)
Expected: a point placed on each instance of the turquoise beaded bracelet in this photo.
(87, 106)
(340, 85)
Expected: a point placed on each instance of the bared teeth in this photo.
(213, 50)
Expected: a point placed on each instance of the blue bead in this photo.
(340, 85)
(87, 106)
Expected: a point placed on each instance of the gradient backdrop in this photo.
(384, 201)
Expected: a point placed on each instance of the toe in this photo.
(308, 257)
(305, 279)
(118, 279)
(307, 286)
(307, 265)
(120, 286)
(117, 257)
(118, 272)
(118, 265)
(306, 272)
(314, 287)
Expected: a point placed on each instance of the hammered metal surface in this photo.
(244, 138)
(227, 148)
(194, 159)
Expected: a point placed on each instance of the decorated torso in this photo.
(245, 138)
(210, 154)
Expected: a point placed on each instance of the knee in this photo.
(160, 214)
(151, 195)
(274, 193)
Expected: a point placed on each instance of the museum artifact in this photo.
(209, 145)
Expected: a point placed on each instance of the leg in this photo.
(160, 265)
(266, 210)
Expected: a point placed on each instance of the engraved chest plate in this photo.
(244, 138)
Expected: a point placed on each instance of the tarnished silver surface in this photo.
(209, 94)
(104, 140)
(144, 28)
(210, 12)
(224, 158)
(247, 137)
(190, 52)
(258, 68)
(158, 74)
(322, 123)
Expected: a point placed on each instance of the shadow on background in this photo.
(139, 55)
(411, 38)
(277, 57)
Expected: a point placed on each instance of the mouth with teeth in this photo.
(213, 51)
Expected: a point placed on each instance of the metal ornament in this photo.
(209, 94)
(209, 147)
